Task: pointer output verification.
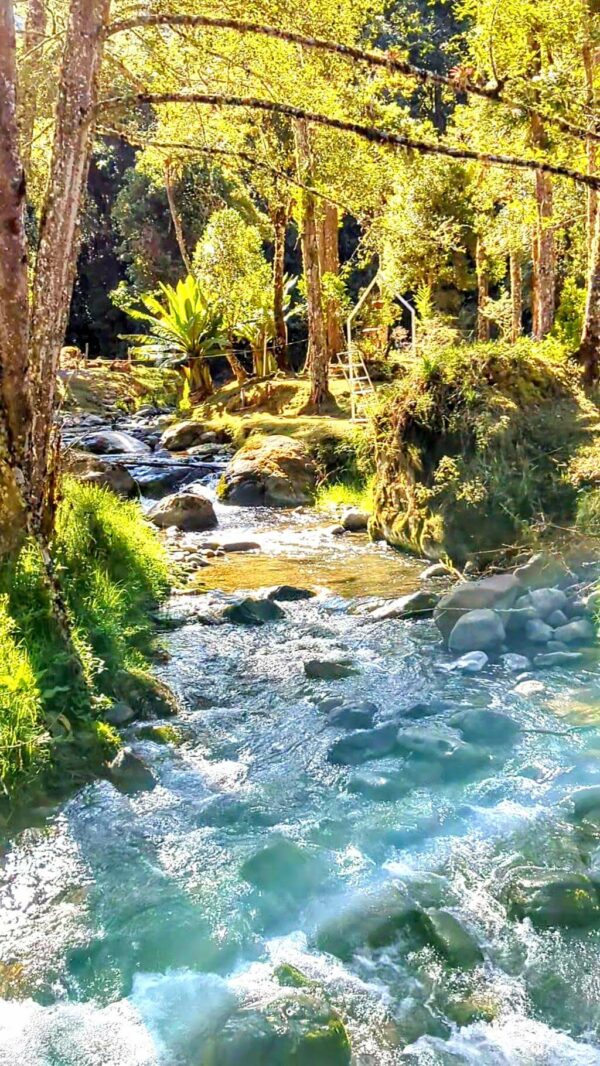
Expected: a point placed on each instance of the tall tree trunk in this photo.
(35, 31)
(544, 246)
(589, 349)
(483, 291)
(59, 231)
(329, 261)
(237, 369)
(516, 296)
(175, 216)
(279, 219)
(589, 65)
(15, 408)
(318, 356)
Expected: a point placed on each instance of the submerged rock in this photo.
(272, 471)
(554, 898)
(418, 604)
(253, 611)
(352, 716)
(328, 669)
(189, 511)
(483, 726)
(450, 937)
(365, 744)
(282, 865)
(585, 800)
(129, 773)
(289, 593)
(368, 919)
(478, 630)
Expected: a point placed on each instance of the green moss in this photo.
(99, 389)
(345, 494)
(291, 977)
(327, 1045)
(474, 1008)
(161, 734)
(478, 448)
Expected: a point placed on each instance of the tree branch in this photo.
(387, 60)
(369, 133)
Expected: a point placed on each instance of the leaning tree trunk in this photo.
(516, 296)
(59, 233)
(589, 349)
(483, 291)
(544, 248)
(35, 30)
(329, 259)
(590, 64)
(237, 369)
(280, 351)
(15, 408)
(176, 217)
(318, 355)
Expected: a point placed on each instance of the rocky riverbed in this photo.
(345, 848)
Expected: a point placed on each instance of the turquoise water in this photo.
(127, 933)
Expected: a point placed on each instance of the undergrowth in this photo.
(112, 572)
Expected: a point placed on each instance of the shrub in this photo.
(23, 744)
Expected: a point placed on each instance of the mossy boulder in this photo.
(475, 443)
(554, 898)
(299, 1030)
(450, 938)
(373, 918)
(273, 471)
(146, 694)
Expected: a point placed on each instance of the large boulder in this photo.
(554, 898)
(477, 630)
(102, 472)
(183, 435)
(253, 611)
(450, 938)
(189, 511)
(368, 919)
(270, 471)
(129, 773)
(497, 593)
(113, 442)
(541, 571)
(364, 744)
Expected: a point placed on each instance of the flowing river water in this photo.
(128, 933)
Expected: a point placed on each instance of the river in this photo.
(128, 933)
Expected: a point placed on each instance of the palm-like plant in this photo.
(185, 332)
(259, 330)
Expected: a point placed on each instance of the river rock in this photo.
(129, 773)
(579, 631)
(556, 658)
(538, 632)
(478, 630)
(497, 592)
(270, 471)
(434, 571)
(365, 744)
(541, 571)
(148, 695)
(483, 726)
(328, 669)
(451, 938)
(442, 750)
(352, 716)
(418, 604)
(368, 919)
(253, 611)
(231, 546)
(355, 521)
(157, 481)
(554, 898)
(544, 600)
(186, 510)
(298, 1030)
(182, 435)
(379, 786)
(585, 800)
(471, 663)
(557, 618)
(288, 593)
(119, 714)
(515, 663)
(283, 865)
(113, 442)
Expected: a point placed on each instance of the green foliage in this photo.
(345, 494)
(112, 571)
(182, 329)
(568, 322)
(587, 518)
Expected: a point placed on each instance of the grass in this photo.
(331, 496)
(99, 389)
(112, 572)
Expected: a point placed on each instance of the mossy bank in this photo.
(112, 572)
(484, 447)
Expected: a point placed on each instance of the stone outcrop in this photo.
(271, 472)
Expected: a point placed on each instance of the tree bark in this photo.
(544, 247)
(35, 30)
(483, 291)
(589, 350)
(175, 216)
(200, 380)
(279, 219)
(589, 66)
(318, 356)
(237, 369)
(59, 231)
(516, 296)
(15, 408)
(329, 260)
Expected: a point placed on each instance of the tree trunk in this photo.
(329, 261)
(516, 296)
(318, 356)
(589, 349)
(175, 216)
(483, 291)
(35, 30)
(15, 408)
(279, 219)
(544, 247)
(589, 66)
(59, 231)
(238, 371)
(200, 381)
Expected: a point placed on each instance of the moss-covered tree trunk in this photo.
(279, 218)
(15, 407)
(29, 79)
(237, 369)
(483, 291)
(516, 295)
(544, 246)
(318, 355)
(590, 66)
(329, 261)
(59, 232)
(589, 349)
